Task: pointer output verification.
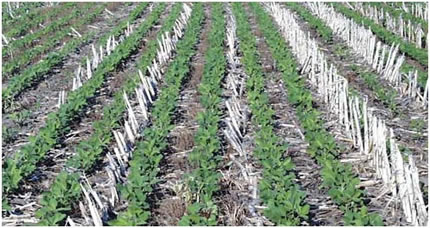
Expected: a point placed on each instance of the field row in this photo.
(214, 114)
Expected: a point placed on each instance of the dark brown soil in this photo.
(406, 136)
(40, 10)
(233, 198)
(43, 99)
(168, 207)
(288, 128)
(41, 40)
(100, 179)
(378, 205)
(81, 129)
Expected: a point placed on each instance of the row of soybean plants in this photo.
(405, 68)
(203, 180)
(415, 10)
(337, 177)
(36, 72)
(314, 22)
(147, 154)
(78, 10)
(278, 191)
(385, 35)
(113, 113)
(32, 20)
(119, 29)
(386, 94)
(17, 11)
(65, 189)
(30, 75)
(400, 13)
(19, 62)
(410, 32)
(57, 124)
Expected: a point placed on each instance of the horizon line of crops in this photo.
(144, 165)
(58, 123)
(337, 177)
(33, 19)
(278, 191)
(397, 13)
(21, 62)
(18, 13)
(385, 93)
(419, 54)
(203, 180)
(65, 189)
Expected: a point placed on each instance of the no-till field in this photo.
(230, 114)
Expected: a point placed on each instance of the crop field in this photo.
(229, 114)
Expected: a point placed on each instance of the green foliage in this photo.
(88, 152)
(35, 72)
(26, 11)
(418, 125)
(341, 50)
(23, 24)
(54, 203)
(422, 75)
(385, 35)
(147, 155)
(200, 214)
(314, 22)
(203, 180)
(20, 117)
(60, 30)
(24, 161)
(119, 29)
(284, 199)
(337, 177)
(389, 37)
(360, 217)
(9, 134)
(386, 95)
(395, 12)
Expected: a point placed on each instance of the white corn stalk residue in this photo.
(76, 32)
(61, 98)
(399, 178)
(136, 114)
(97, 57)
(236, 121)
(4, 39)
(379, 56)
(410, 32)
(90, 196)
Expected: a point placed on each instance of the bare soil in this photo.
(81, 129)
(375, 200)
(288, 128)
(167, 206)
(41, 100)
(406, 136)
